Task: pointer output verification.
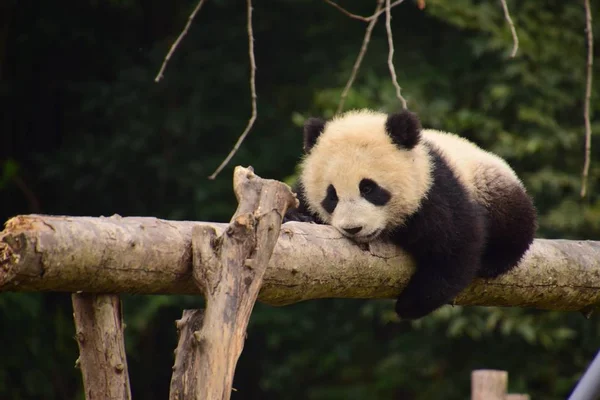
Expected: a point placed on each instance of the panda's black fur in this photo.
(451, 237)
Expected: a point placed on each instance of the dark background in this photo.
(86, 131)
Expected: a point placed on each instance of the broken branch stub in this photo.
(229, 270)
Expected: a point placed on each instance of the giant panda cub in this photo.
(460, 211)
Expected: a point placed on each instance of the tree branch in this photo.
(149, 255)
(252, 93)
(513, 31)
(360, 17)
(588, 95)
(159, 76)
(359, 58)
(388, 27)
(348, 13)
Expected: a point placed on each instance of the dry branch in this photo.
(348, 13)
(359, 58)
(588, 94)
(229, 270)
(252, 93)
(360, 17)
(388, 27)
(149, 255)
(513, 31)
(382, 6)
(99, 334)
(184, 32)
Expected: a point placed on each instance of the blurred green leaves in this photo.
(10, 169)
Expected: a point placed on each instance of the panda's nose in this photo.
(353, 231)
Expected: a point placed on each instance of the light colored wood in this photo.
(99, 335)
(517, 397)
(148, 255)
(488, 384)
(187, 361)
(229, 270)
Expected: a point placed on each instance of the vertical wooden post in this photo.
(187, 360)
(99, 334)
(488, 384)
(229, 270)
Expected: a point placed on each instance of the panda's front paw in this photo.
(294, 215)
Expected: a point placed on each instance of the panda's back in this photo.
(483, 173)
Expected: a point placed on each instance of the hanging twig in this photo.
(388, 26)
(360, 17)
(588, 95)
(159, 76)
(512, 28)
(348, 13)
(361, 54)
(252, 92)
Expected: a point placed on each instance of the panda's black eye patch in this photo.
(331, 199)
(373, 193)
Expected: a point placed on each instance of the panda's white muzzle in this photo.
(358, 219)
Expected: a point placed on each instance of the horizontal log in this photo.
(151, 256)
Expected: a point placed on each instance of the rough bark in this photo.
(229, 270)
(187, 360)
(99, 334)
(149, 255)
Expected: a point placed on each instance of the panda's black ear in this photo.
(404, 128)
(313, 127)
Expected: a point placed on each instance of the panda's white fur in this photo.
(356, 145)
(480, 171)
(460, 211)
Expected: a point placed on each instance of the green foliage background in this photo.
(86, 131)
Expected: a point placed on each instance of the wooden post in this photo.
(99, 334)
(229, 270)
(187, 361)
(488, 384)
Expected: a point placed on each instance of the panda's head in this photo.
(365, 172)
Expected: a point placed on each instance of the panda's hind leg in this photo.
(511, 226)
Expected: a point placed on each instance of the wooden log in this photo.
(488, 384)
(229, 270)
(99, 334)
(146, 255)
